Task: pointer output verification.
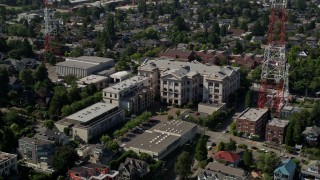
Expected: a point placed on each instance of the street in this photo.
(224, 137)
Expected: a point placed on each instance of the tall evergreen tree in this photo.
(183, 165)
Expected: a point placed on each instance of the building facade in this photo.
(8, 164)
(312, 135)
(134, 94)
(275, 130)
(36, 151)
(83, 66)
(92, 121)
(180, 86)
(206, 82)
(253, 121)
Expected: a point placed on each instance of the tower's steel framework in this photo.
(273, 90)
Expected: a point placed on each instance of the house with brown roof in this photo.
(235, 33)
(133, 169)
(183, 55)
(227, 172)
(229, 158)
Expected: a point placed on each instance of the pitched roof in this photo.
(312, 130)
(227, 156)
(287, 167)
(227, 170)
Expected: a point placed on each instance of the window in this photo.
(110, 95)
(115, 95)
(176, 95)
(165, 82)
(164, 93)
(110, 101)
(210, 84)
(176, 84)
(216, 84)
(216, 97)
(210, 96)
(216, 91)
(188, 82)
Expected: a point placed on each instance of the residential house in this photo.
(311, 171)
(92, 171)
(205, 174)
(285, 171)
(179, 54)
(231, 159)
(227, 172)
(8, 164)
(133, 169)
(312, 134)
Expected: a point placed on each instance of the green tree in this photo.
(201, 150)
(231, 145)
(256, 74)
(258, 29)
(3, 45)
(110, 25)
(9, 142)
(105, 139)
(301, 5)
(238, 48)
(183, 165)
(142, 6)
(64, 159)
(221, 146)
(41, 73)
(25, 76)
(267, 162)
(179, 24)
(4, 83)
(289, 135)
(59, 99)
(223, 30)
(49, 124)
(247, 158)
(292, 55)
(248, 101)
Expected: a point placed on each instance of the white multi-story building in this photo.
(134, 94)
(92, 121)
(206, 82)
(8, 164)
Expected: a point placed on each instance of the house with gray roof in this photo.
(312, 134)
(133, 169)
(311, 171)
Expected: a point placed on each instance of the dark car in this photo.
(254, 148)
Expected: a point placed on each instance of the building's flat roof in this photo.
(120, 74)
(73, 64)
(6, 156)
(175, 127)
(252, 114)
(153, 142)
(128, 83)
(278, 122)
(91, 112)
(203, 69)
(92, 59)
(91, 79)
(36, 141)
(84, 62)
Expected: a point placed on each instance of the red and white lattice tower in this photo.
(273, 90)
(49, 31)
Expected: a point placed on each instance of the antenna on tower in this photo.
(49, 26)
